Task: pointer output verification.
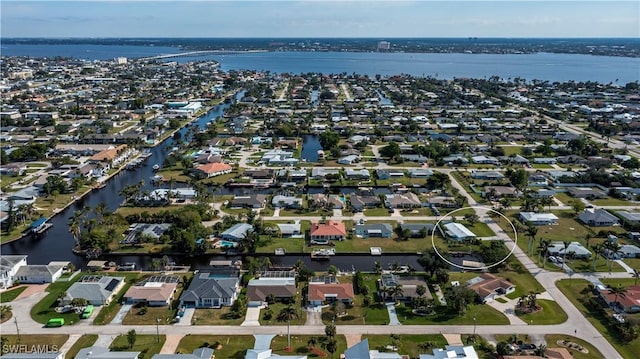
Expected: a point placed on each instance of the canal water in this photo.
(310, 147)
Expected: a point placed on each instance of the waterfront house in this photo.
(326, 292)
(389, 173)
(113, 156)
(417, 230)
(538, 219)
(290, 230)
(9, 266)
(378, 230)
(322, 173)
(280, 287)
(488, 286)
(359, 203)
(404, 200)
(349, 160)
(39, 273)
(280, 201)
(357, 174)
(96, 289)
(154, 291)
(254, 201)
(409, 285)
(579, 252)
(213, 169)
(237, 232)
(212, 290)
(324, 201)
(322, 233)
(455, 231)
(598, 217)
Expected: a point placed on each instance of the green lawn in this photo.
(552, 341)
(300, 347)
(480, 229)
(406, 344)
(45, 308)
(610, 201)
(377, 212)
(231, 347)
(483, 314)
(11, 294)
(290, 245)
(573, 289)
(525, 283)
(551, 313)
(84, 341)
(221, 316)
(147, 345)
(134, 317)
(108, 312)
(277, 307)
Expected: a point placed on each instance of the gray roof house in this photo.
(361, 173)
(382, 230)
(557, 249)
(417, 229)
(290, 230)
(361, 351)
(405, 200)
(96, 352)
(39, 273)
(236, 232)
(361, 202)
(211, 290)
(419, 172)
(96, 289)
(254, 201)
(598, 217)
(200, 353)
(286, 201)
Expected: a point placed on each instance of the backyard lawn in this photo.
(147, 345)
(406, 344)
(231, 347)
(290, 245)
(572, 289)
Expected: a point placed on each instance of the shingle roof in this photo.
(204, 285)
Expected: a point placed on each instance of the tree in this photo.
(287, 314)
(431, 262)
(332, 270)
(377, 267)
(503, 348)
(566, 245)
(330, 330)
(329, 140)
(471, 218)
(577, 205)
(131, 337)
(618, 291)
(312, 342)
(391, 150)
(421, 290)
(531, 233)
(542, 249)
(5, 310)
(331, 345)
(518, 178)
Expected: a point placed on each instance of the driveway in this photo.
(252, 318)
(121, 314)
(393, 316)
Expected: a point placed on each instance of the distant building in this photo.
(384, 46)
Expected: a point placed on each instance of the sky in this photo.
(315, 18)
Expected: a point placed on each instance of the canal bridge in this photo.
(199, 53)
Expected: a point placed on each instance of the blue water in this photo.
(310, 147)
(541, 66)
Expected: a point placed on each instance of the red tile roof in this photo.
(318, 291)
(331, 228)
(214, 167)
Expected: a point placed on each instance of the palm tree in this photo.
(542, 249)
(287, 314)
(613, 249)
(397, 291)
(532, 300)
(5, 310)
(377, 267)
(531, 233)
(75, 226)
(312, 342)
(619, 291)
(596, 250)
(564, 252)
(636, 275)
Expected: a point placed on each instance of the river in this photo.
(542, 66)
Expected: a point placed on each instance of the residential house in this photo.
(39, 273)
(390, 173)
(361, 351)
(625, 251)
(557, 249)
(349, 160)
(359, 203)
(268, 354)
(290, 230)
(485, 160)
(237, 232)
(199, 353)
(322, 233)
(538, 219)
(417, 230)
(404, 200)
(154, 291)
(489, 286)
(113, 156)
(324, 201)
(377, 230)
(212, 290)
(292, 175)
(598, 217)
(281, 286)
(500, 191)
(9, 266)
(629, 218)
(253, 201)
(487, 175)
(545, 160)
(442, 202)
(280, 201)
(629, 302)
(33, 355)
(213, 169)
(586, 192)
(329, 291)
(96, 289)
(456, 231)
(419, 172)
(409, 286)
(453, 351)
(279, 158)
(322, 173)
(97, 352)
(357, 174)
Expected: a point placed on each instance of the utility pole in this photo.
(15, 320)
(157, 330)
(474, 326)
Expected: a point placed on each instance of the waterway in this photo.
(542, 66)
(310, 147)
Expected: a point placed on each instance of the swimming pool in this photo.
(227, 244)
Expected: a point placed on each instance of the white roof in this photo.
(458, 230)
(452, 351)
(538, 217)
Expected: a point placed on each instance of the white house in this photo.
(9, 266)
(538, 219)
(38, 273)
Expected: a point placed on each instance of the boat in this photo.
(323, 254)
(145, 154)
(126, 267)
(156, 167)
(280, 251)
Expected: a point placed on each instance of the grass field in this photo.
(45, 308)
(134, 316)
(299, 346)
(482, 313)
(572, 289)
(406, 344)
(552, 341)
(48, 342)
(147, 345)
(230, 347)
(11, 294)
(221, 316)
(108, 312)
(84, 341)
(551, 313)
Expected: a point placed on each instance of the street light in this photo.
(15, 320)
(157, 330)
(474, 327)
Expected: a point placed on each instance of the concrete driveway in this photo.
(252, 318)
